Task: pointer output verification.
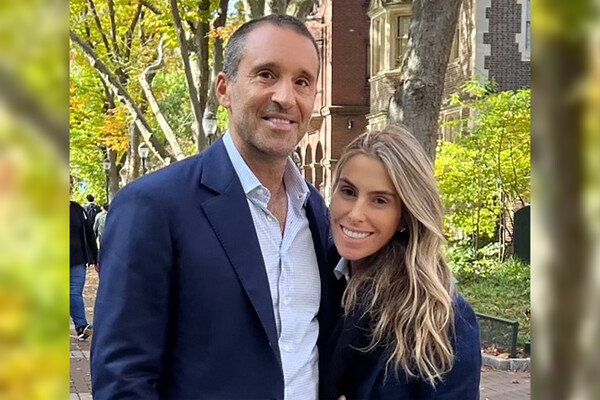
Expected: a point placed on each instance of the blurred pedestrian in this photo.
(83, 253)
(91, 209)
(100, 221)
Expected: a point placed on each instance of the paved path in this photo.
(495, 385)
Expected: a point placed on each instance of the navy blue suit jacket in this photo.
(183, 309)
(360, 375)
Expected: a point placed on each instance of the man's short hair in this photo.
(89, 197)
(105, 206)
(234, 51)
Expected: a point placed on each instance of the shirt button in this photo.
(287, 347)
(269, 218)
(286, 300)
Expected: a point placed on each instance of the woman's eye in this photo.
(347, 191)
(381, 201)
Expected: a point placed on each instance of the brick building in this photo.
(362, 43)
(341, 29)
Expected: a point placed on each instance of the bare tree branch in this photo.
(160, 119)
(100, 29)
(129, 34)
(122, 95)
(201, 46)
(151, 7)
(113, 27)
(189, 78)
(220, 21)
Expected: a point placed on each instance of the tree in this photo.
(154, 65)
(416, 102)
(486, 175)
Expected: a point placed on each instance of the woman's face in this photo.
(365, 208)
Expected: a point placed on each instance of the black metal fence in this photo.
(499, 332)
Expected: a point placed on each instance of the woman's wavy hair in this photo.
(405, 289)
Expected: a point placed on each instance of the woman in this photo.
(406, 333)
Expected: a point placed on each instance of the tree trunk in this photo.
(211, 103)
(123, 96)
(113, 175)
(253, 9)
(300, 8)
(416, 102)
(201, 42)
(275, 7)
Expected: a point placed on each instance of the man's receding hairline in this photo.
(287, 27)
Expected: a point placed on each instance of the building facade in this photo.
(362, 43)
(341, 29)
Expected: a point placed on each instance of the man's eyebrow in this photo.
(375, 192)
(273, 66)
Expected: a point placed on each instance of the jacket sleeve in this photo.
(90, 240)
(462, 381)
(132, 306)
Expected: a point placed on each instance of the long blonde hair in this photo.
(406, 287)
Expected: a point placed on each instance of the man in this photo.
(83, 252)
(214, 281)
(91, 208)
(100, 222)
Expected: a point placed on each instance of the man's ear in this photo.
(222, 89)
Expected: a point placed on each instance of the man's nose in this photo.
(284, 94)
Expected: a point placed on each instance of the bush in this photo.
(496, 288)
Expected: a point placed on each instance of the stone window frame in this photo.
(451, 133)
(523, 38)
(399, 41)
(377, 45)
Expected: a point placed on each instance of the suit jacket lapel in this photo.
(330, 294)
(230, 217)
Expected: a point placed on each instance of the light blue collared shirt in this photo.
(292, 271)
(342, 269)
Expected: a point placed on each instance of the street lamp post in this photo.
(143, 151)
(106, 165)
(209, 125)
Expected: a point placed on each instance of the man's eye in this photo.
(303, 82)
(265, 75)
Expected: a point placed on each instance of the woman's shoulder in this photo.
(463, 312)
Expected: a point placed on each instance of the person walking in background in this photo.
(83, 253)
(100, 222)
(214, 280)
(91, 208)
(406, 333)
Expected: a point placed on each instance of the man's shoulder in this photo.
(168, 183)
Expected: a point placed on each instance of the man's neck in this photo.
(268, 170)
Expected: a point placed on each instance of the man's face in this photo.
(271, 99)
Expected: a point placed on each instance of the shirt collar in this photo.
(296, 186)
(342, 269)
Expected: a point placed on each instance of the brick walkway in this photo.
(495, 385)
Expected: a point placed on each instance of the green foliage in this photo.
(487, 172)
(495, 288)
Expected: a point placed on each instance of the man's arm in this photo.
(132, 304)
